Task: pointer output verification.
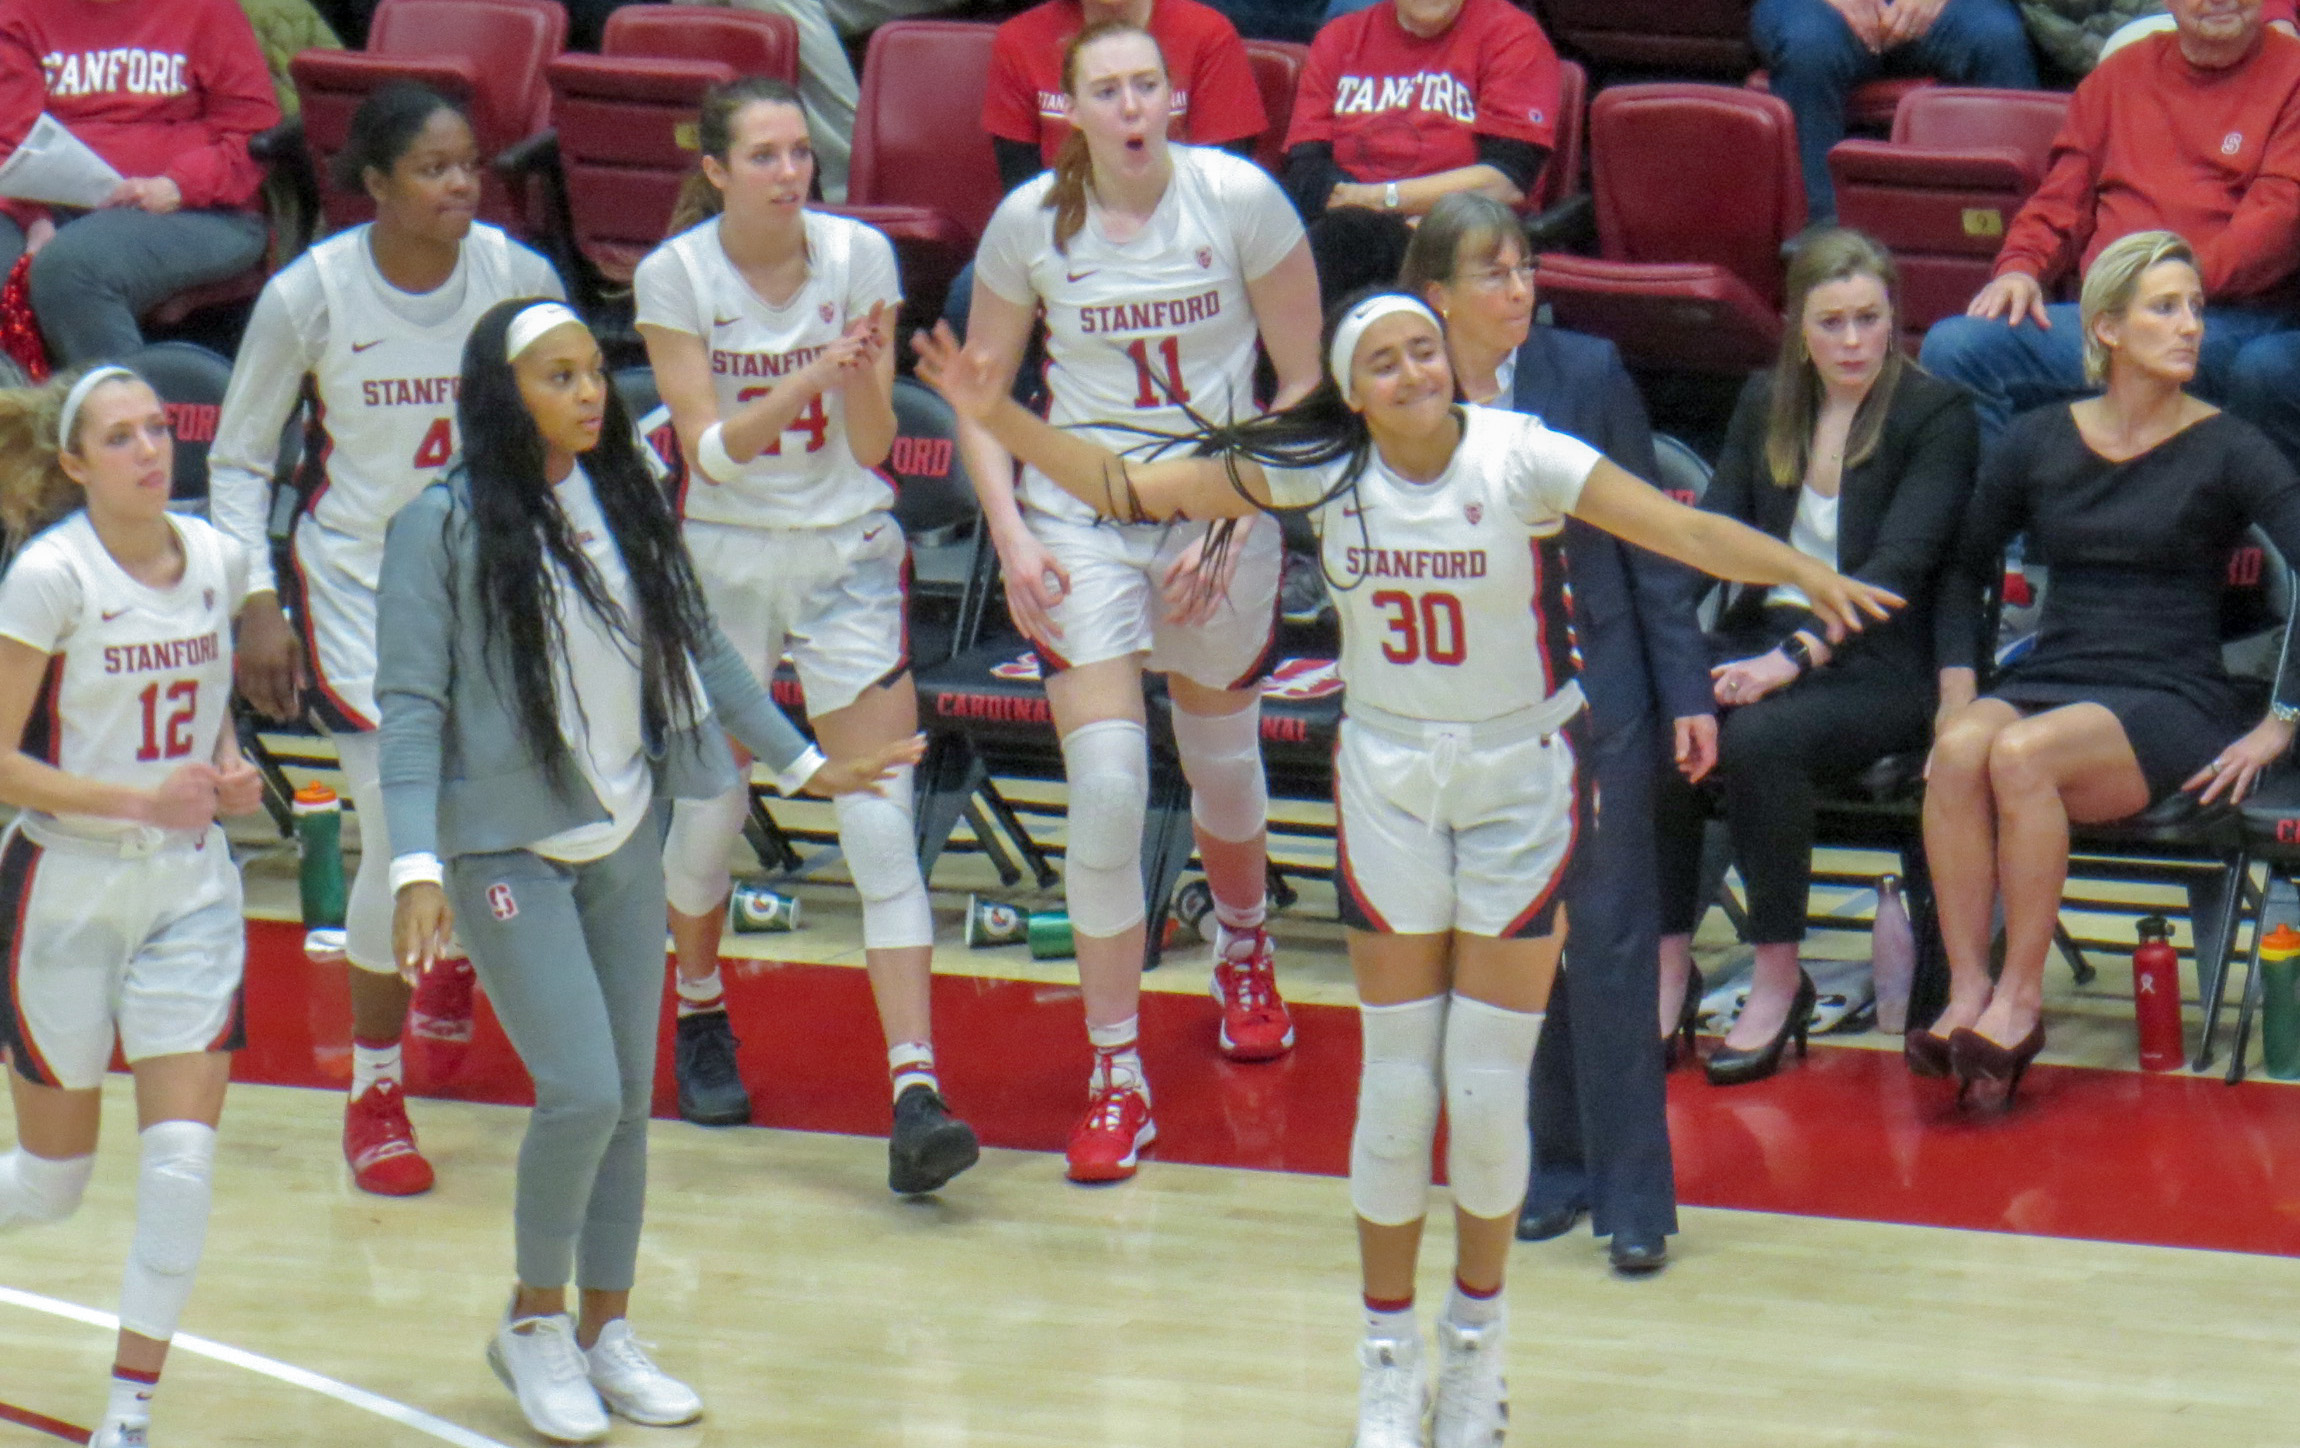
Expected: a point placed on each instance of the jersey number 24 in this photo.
(812, 421)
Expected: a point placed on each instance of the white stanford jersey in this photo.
(140, 681)
(1135, 330)
(809, 477)
(385, 366)
(1453, 593)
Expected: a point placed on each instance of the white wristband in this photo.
(419, 868)
(801, 769)
(712, 457)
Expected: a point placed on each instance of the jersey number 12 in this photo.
(174, 739)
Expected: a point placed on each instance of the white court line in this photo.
(360, 1398)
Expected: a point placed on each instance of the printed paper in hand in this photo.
(56, 167)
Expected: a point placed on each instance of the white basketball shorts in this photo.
(832, 598)
(1116, 607)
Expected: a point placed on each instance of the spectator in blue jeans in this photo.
(1818, 50)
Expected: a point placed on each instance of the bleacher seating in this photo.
(1278, 75)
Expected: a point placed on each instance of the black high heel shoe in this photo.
(1729, 1066)
(1678, 1044)
(1975, 1058)
(1926, 1053)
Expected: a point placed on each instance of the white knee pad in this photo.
(695, 876)
(1397, 1111)
(1488, 1056)
(367, 908)
(41, 1189)
(1222, 758)
(881, 844)
(174, 1189)
(1108, 763)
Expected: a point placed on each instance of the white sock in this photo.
(1252, 917)
(698, 996)
(1116, 1061)
(131, 1396)
(370, 1064)
(911, 1063)
(1465, 1309)
(1386, 1322)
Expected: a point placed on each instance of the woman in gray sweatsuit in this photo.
(550, 679)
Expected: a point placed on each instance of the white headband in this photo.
(93, 379)
(1353, 326)
(530, 325)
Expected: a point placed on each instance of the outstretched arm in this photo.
(1090, 472)
(1627, 508)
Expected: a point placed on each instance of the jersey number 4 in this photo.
(1150, 389)
(1426, 628)
(172, 740)
(812, 421)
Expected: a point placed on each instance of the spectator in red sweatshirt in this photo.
(2197, 132)
(168, 91)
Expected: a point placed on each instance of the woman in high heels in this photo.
(2134, 499)
(1849, 452)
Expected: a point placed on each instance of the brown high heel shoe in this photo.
(1678, 1044)
(1926, 1053)
(1975, 1058)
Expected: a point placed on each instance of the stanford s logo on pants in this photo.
(500, 901)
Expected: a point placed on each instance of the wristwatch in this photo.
(1798, 652)
(1389, 195)
(2284, 713)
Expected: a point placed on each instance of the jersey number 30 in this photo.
(172, 740)
(1428, 628)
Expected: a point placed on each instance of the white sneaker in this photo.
(1472, 1399)
(1393, 1394)
(117, 1433)
(633, 1386)
(539, 1362)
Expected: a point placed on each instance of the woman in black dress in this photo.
(2134, 500)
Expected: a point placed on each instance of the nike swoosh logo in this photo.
(363, 346)
(725, 321)
(113, 614)
(1081, 276)
(873, 533)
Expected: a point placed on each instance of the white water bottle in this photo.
(1892, 957)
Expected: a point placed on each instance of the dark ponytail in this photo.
(699, 200)
(1073, 165)
(516, 521)
(382, 129)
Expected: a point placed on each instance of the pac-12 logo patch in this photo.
(500, 901)
(825, 312)
(1473, 512)
(208, 600)
(1205, 258)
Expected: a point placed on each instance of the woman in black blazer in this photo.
(1851, 453)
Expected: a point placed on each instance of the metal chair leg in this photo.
(1009, 873)
(2075, 955)
(2213, 957)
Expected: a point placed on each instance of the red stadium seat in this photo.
(923, 171)
(1941, 192)
(1277, 74)
(1561, 178)
(751, 42)
(626, 129)
(1696, 188)
(489, 54)
(1704, 36)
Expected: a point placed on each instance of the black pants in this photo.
(1599, 1114)
(1774, 757)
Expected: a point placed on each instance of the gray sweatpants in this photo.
(572, 958)
(107, 268)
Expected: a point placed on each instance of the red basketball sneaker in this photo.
(439, 1024)
(380, 1144)
(1108, 1140)
(1255, 1024)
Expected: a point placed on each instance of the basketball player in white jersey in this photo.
(119, 901)
(368, 326)
(1157, 267)
(770, 330)
(1456, 773)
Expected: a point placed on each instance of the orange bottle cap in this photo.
(316, 793)
(2282, 943)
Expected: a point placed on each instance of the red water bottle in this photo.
(2156, 997)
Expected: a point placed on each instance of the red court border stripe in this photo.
(42, 1423)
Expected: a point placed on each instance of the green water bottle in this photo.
(2280, 1003)
(319, 847)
